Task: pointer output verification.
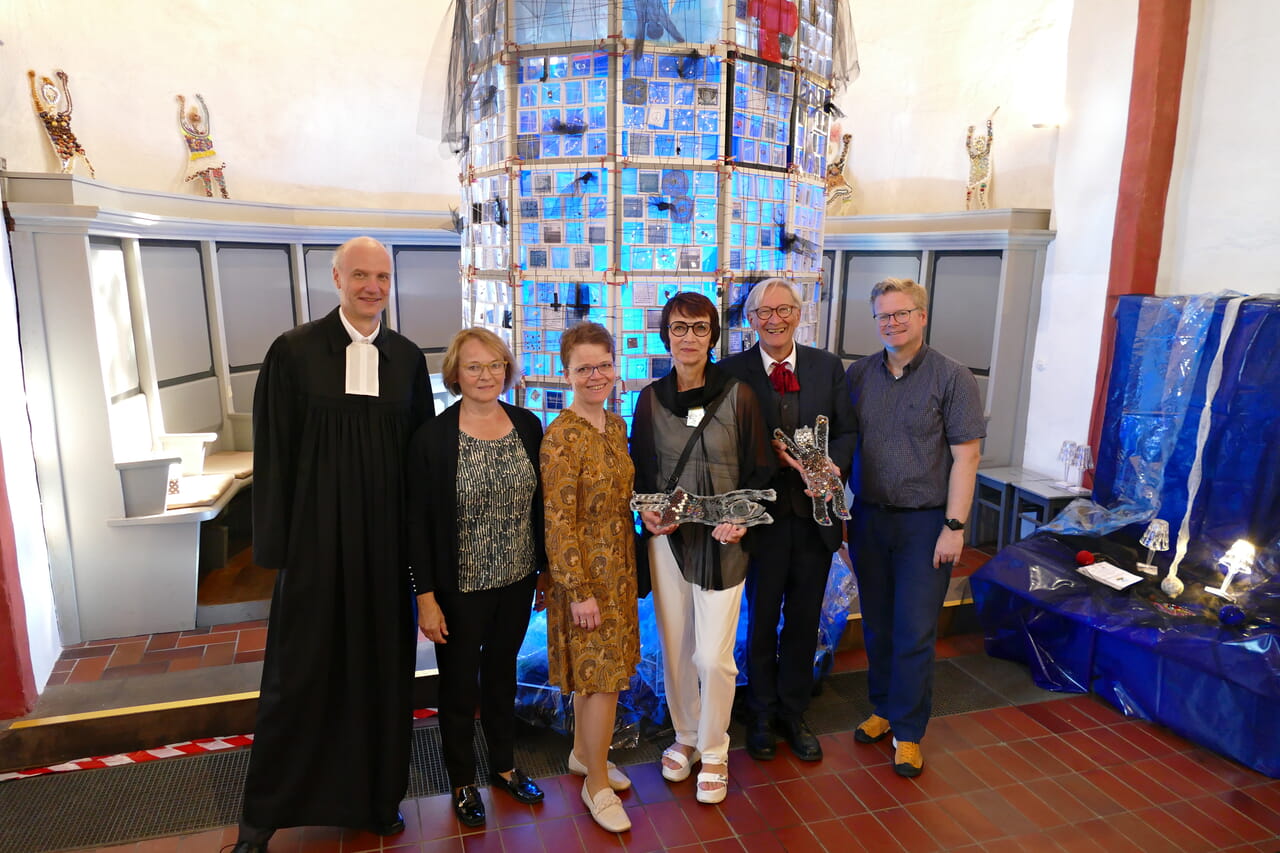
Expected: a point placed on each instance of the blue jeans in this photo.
(901, 596)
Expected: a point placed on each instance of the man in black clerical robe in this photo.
(336, 403)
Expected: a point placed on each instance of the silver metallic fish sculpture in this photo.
(809, 448)
(736, 507)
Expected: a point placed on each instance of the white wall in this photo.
(931, 68)
(20, 483)
(1086, 187)
(1222, 226)
(314, 103)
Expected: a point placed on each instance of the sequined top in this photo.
(495, 527)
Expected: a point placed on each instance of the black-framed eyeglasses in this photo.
(585, 371)
(701, 328)
(783, 311)
(894, 316)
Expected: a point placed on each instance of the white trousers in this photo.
(698, 628)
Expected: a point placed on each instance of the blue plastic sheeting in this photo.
(1215, 685)
(541, 704)
(1149, 393)
(1191, 435)
(1166, 353)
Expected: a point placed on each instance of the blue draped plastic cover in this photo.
(541, 704)
(1169, 661)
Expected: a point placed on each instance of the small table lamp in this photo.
(1066, 454)
(1155, 538)
(1238, 561)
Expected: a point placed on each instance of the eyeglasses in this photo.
(586, 370)
(701, 328)
(783, 311)
(475, 368)
(894, 316)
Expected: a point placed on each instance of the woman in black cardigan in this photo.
(476, 546)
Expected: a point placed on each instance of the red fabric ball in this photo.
(1084, 558)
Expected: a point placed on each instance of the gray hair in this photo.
(758, 291)
(342, 250)
(918, 294)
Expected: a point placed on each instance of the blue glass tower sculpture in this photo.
(615, 152)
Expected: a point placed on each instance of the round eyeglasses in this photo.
(701, 328)
(783, 311)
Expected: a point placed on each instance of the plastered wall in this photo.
(1222, 228)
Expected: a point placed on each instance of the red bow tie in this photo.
(783, 378)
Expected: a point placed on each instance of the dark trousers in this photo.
(787, 578)
(478, 666)
(901, 595)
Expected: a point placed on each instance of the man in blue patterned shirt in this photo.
(920, 428)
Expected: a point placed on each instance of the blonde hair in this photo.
(918, 294)
(487, 338)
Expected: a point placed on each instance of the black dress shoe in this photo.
(762, 745)
(803, 742)
(249, 847)
(394, 826)
(468, 806)
(519, 786)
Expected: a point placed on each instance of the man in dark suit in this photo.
(790, 558)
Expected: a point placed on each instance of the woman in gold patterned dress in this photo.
(593, 635)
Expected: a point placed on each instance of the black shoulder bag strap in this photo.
(697, 433)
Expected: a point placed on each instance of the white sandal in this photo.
(618, 780)
(715, 795)
(684, 764)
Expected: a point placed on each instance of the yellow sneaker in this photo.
(907, 758)
(871, 729)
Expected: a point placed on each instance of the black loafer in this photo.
(762, 745)
(803, 742)
(394, 826)
(468, 806)
(249, 847)
(519, 786)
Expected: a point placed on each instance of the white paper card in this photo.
(1110, 574)
(362, 369)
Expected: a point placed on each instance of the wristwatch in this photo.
(954, 523)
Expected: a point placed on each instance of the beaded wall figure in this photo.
(977, 192)
(48, 98)
(203, 163)
(839, 193)
(616, 152)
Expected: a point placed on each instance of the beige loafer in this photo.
(618, 780)
(606, 809)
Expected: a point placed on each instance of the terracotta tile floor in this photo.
(995, 780)
(156, 654)
(1064, 775)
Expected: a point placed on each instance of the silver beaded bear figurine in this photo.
(736, 507)
(809, 448)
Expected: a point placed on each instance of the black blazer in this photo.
(823, 391)
(433, 498)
